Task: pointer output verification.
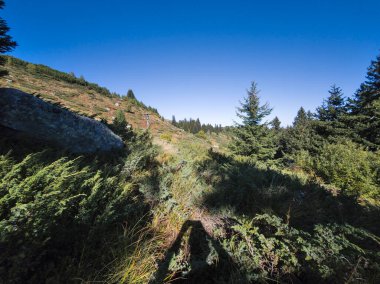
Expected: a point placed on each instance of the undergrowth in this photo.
(62, 216)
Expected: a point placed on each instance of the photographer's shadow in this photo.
(203, 259)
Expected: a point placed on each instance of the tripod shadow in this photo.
(207, 260)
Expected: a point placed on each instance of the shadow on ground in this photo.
(249, 190)
(195, 257)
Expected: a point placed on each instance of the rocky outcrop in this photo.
(26, 113)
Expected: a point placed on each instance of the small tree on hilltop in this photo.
(131, 95)
(174, 121)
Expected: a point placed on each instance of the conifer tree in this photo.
(302, 136)
(130, 94)
(301, 119)
(198, 126)
(120, 125)
(252, 138)
(276, 124)
(333, 107)
(174, 122)
(6, 42)
(250, 111)
(364, 108)
(331, 116)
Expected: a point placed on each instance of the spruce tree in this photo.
(120, 125)
(331, 116)
(250, 111)
(333, 107)
(301, 119)
(302, 136)
(276, 124)
(130, 94)
(174, 121)
(364, 108)
(198, 126)
(6, 42)
(252, 138)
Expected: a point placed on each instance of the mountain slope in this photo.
(89, 99)
(79, 95)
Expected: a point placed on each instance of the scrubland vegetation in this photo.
(251, 203)
(254, 203)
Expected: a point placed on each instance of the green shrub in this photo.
(166, 136)
(60, 215)
(347, 166)
(201, 134)
(267, 248)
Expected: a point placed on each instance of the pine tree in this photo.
(301, 119)
(120, 125)
(331, 116)
(174, 122)
(302, 136)
(333, 107)
(198, 126)
(253, 138)
(364, 108)
(6, 42)
(276, 124)
(250, 111)
(131, 95)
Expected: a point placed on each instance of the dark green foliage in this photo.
(194, 126)
(364, 108)
(6, 42)
(60, 215)
(332, 117)
(268, 248)
(132, 98)
(333, 107)
(302, 119)
(302, 137)
(347, 166)
(131, 95)
(318, 220)
(251, 112)
(276, 124)
(255, 142)
(120, 122)
(253, 139)
(121, 127)
(290, 229)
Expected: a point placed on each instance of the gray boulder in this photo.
(28, 114)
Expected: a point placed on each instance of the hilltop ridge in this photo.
(94, 101)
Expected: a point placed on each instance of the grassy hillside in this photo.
(186, 210)
(89, 99)
(77, 94)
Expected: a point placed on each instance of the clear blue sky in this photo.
(196, 58)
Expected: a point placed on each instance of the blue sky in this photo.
(197, 58)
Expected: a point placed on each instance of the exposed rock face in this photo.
(24, 112)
